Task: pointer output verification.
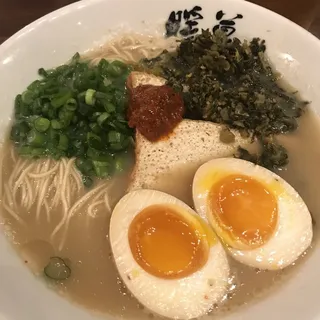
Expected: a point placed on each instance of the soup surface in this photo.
(78, 231)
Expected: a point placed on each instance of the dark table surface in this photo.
(15, 14)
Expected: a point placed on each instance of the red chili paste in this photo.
(154, 110)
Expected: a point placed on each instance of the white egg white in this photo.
(293, 234)
(184, 298)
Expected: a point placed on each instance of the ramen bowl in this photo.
(82, 26)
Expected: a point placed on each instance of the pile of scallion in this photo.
(76, 110)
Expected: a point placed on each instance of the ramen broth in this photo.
(95, 283)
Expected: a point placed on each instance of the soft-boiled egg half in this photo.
(260, 218)
(167, 256)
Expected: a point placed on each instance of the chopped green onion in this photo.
(17, 104)
(90, 97)
(56, 153)
(120, 99)
(71, 105)
(94, 141)
(63, 142)
(107, 82)
(25, 110)
(114, 137)
(31, 152)
(42, 124)
(53, 136)
(46, 108)
(56, 124)
(75, 110)
(75, 59)
(57, 269)
(102, 119)
(82, 124)
(102, 96)
(75, 119)
(85, 166)
(34, 86)
(36, 139)
(95, 128)
(36, 106)
(109, 107)
(116, 140)
(95, 116)
(65, 116)
(81, 96)
(121, 162)
(116, 68)
(42, 72)
(84, 109)
(102, 65)
(19, 131)
(95, 154)
(102, 169)
(27, 97)
(52, 113)
(61, 98)
(87, 181)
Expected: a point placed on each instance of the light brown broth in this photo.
(95, 283)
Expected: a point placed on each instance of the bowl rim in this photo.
(86, 3)
(83, 4)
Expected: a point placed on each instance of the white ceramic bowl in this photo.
(54, 38)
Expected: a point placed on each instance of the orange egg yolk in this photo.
(244, 208)
(165, 244)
